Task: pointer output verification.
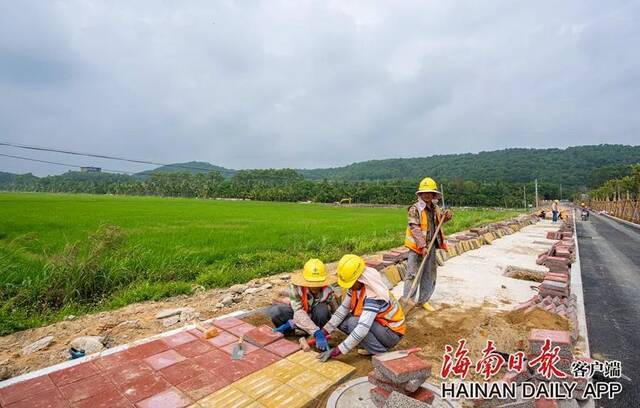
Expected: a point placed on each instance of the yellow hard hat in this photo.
(314, 271)
(428, 185)
(582, 204)
(314, 274)
(350, 267)
(555, 201)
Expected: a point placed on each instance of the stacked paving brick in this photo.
(537, 337)
(398, 383)
(393, 264)
(186, 369)
(554, 293)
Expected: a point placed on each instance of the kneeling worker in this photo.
(311, 303)
(369, 314)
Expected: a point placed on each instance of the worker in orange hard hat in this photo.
(423, 217)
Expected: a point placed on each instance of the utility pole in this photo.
(560, 192)
(442, 191)
(524, 189)
(536, 184)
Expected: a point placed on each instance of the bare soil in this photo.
(123, 325)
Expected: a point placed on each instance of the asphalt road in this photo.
(610, 263)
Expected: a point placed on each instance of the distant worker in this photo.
(423, 218)
(369, 314)
(554, 210)
(311, 303)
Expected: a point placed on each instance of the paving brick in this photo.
(48, 399)
(144, 387)
(182, 371)
(307, 359)
(257, 384)
(284, 370)
(203, 385)
(213, 360)
(310, 383)
(334, 370)
(285, 396)
(194, 348)
(87, 387)
(385, 384)
(227, 322)
(241, 329)
(114, 360)
(403, 369)
(255, 404)
(164, 359)
(105, 399)
(171, 398)
(248, 348)
(148, 349)
(237, 369)
(222, 339)
(128, 372)
(226, 397)
(545, 403)
(75, 373)
(261, 358)
(283, 347)
(179, 338)
(557, 338)
(262, 335)
(379, 396)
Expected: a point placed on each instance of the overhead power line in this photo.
(59, 164)
(100, 156)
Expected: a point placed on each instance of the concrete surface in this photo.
(476, 276)
(610, 262)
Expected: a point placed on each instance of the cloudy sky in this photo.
(248, 84)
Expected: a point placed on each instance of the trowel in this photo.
(394, 355)
(238, 350)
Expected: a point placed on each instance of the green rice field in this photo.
(63, 254)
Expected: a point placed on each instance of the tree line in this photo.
(281, 185)
(628, 184)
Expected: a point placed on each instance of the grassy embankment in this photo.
(70, 254)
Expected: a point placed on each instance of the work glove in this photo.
(321, 340)
(326, 355)
(290, 325)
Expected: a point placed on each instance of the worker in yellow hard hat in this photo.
(555, 210)
(311, 303)
(423, 217)
(369, 314)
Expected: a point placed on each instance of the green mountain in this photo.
(189, 167)
(572, 166)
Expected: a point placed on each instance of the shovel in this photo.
(238, 350)
(410, 303)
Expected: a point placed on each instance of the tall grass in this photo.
(62, 254)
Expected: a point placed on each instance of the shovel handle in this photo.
(416, 279)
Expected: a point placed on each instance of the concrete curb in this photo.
(90, 357)
(576, 287)
(620, 220)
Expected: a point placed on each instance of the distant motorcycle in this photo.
(585, 215)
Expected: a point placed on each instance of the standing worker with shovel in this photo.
(425, 221)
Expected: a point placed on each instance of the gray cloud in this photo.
(248, 84)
